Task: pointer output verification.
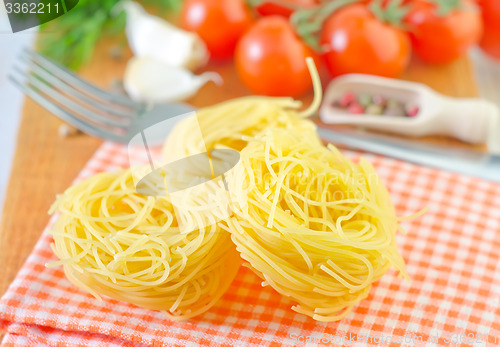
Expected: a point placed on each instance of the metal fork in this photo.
(91, 109)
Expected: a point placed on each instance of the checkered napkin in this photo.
(452, 256)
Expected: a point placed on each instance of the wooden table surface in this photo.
(45, 163)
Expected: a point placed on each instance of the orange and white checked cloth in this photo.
(452, 255)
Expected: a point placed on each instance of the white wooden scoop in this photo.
(471, 120)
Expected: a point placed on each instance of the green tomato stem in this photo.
(392, 14)
(445, 7)
(309, 22)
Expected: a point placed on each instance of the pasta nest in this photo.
(116, 242)
(312, 224)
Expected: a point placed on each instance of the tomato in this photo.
(490, 42)
(283, 8)
(271, 59)
(356, 41)
(219, 23)
(441, 39)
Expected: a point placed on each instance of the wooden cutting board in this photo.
(45, 163)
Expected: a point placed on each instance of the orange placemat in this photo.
(452, 256)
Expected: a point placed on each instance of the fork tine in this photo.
(71, 78)
(63, 100)
(66, 116)
(49, 77)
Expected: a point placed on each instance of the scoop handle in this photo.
(470, 120)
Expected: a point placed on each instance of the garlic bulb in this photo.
(153, 37)
(152, 81)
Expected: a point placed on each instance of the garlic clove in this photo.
(152, 81)
(199, 53)
(151, 36)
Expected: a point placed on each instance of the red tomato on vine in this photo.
(271, 60)
(440, 33)
(283, 8)
(354, 40)
(219, 23)
(490, 42)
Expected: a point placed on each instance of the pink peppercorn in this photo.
(347, 99)
(412, 111)
(355, 108)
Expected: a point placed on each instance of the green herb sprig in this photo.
(71, 38)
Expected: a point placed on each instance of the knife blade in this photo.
(482, 165)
